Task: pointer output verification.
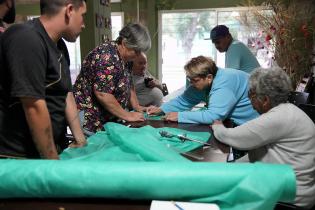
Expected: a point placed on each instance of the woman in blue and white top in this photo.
(225, 92)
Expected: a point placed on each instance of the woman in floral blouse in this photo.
(103, 90)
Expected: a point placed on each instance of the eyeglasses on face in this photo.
(193, 80)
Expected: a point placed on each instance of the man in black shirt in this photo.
(7, 13)
(36, 102)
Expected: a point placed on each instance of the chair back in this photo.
(309, 109)
(298, 98)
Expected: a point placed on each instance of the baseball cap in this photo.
(218, 32)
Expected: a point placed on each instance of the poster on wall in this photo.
(105, 2)
(99, 21)
(107, 23)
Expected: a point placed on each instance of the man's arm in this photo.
(72, 117)
(110, 103)
(38, 120)
(154, 83)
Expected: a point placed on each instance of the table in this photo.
(207, 153)
(74, 204)
(216, 153)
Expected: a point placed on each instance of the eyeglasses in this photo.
(193, 80)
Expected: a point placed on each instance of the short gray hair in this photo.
(135, 36)
(271, 82)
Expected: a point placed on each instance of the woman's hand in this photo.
(140, 109)
(135, 117)
(171, 116)
(153, 110)
(154, 83)
(78, 143)
(217, 122)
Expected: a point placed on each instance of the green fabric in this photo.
(153, 117)
(100, 148)
(231, 186)
(142, 141)
(139, 164)
(137, 144)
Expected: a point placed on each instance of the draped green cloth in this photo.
(122, 143)
(138, 164)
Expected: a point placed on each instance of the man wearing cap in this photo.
(7, 13)
(237, 55)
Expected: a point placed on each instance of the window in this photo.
(117, 23)
(182, 36)
(75, 58)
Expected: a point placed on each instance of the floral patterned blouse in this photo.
(102, 70)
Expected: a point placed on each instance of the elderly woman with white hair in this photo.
(103, 90)
(282, 134)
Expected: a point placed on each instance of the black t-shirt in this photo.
(32, 65)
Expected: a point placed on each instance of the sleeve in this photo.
(233, 58)
(221, 103)
(256, 133)
(26, 59)
(105, 72)
(186, 101)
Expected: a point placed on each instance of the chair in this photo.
(298, 98)
(309, 109)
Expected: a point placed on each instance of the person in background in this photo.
(103, 89)
(282, 134)
(237, 55)
(36, 102)
(223, 90)
(148, 89)
(7, 13)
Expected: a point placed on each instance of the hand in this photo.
(140, 109)
(2, 29)
(78, 143)
(217, 122)
(171, 116)
(135, 117)
(153, 83)
(153, 110)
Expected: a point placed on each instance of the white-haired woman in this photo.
(282, 134)
(103, 89)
